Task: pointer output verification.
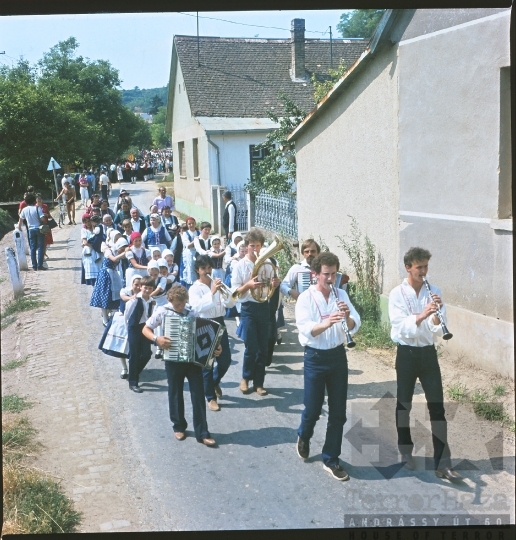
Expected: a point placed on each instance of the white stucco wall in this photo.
(234, 156)
(192, 196)
(449, 144)
(347, 165)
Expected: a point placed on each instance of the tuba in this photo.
(262, 271)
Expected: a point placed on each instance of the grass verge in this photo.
(13, 364)
(485, 404)
(15, 403)
(33, 502)
(19, 305)
(374, 335)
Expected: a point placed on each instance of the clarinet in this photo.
(446, 333)
(350, 343)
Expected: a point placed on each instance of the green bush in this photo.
(6, 223)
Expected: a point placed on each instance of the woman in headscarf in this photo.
(138, 258)
(189, 276)
(91, 257)
(156, 234)
(106, 293)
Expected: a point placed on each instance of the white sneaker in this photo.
(45, 265)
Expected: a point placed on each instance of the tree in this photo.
(160, 138)
(323, 87)
(359, 23)
(156, 103)
(276, 172)
(68, 107)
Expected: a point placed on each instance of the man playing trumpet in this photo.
(319, 319)
(415, 327)
(206, 299)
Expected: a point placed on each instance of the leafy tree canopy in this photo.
(140, 100)
(359, 23)
(321, 88)
(66, 106)
(276, 172)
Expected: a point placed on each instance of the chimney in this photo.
(297, 31)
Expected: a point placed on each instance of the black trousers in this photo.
(176, 374)
(421, 363)
(139, 352)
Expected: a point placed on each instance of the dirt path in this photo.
(82, 415)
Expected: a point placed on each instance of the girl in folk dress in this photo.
(216, 254)
(189, 276)
(114, 340)
(106, 293)
(138, 258)
(173, 269)
(91, 258)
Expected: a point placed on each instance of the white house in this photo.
(219, 92)
(415, 143)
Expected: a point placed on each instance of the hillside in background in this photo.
(142, 98)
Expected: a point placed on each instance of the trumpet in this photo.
(446, 333)
(226, 293)
(350, 343)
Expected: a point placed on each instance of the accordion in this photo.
(305, 279)
(194, 339)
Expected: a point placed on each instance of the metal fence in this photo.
(240, 198)
(277, 214)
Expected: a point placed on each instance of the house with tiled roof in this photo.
(219, 92)
(414, 142)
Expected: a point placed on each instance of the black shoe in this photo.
(279, 341)
(136, 388)
(159, 354)
(124, 374)
(337, 472)
(303, 448)
(448, 473)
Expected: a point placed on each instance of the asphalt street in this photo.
(254, 478)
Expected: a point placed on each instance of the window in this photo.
(256, 155)
(195, 154)
(505, 164)
(182, 159)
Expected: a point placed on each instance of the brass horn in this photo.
(260, 270)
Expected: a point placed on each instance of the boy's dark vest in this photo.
(225, 216)
(136, 315)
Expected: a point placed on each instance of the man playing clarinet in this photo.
(320, 320)
(415, 327)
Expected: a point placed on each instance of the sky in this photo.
(139, 45)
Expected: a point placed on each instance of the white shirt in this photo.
(231, 212)
(130, 253)
(131, 306)
(156, 318)
(205, 303)
(32, 214)
(290, 280)
(155, 230)
(242, 274)
(104, 180)
(197, 245)
(404, 305)
(312, 308)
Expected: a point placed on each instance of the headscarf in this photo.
(166, 252)
(162, 262)
(134, 235)
(236, 234)
(120, 243)
(135, 276)
(153, 264)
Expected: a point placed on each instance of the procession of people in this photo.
(168, 287)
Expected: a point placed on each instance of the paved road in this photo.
(126, 471)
